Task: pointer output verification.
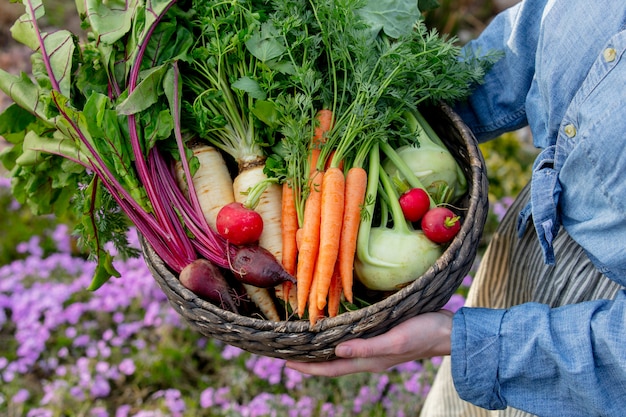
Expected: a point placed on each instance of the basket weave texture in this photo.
(295, 339)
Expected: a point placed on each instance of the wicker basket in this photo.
(295, 339)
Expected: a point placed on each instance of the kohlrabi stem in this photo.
(400, 224)
(404, 169)
(421, 122)
(363, 239)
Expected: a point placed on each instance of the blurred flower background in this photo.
(123, 351)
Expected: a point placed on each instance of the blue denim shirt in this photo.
(563, 74)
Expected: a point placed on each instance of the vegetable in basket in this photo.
(125, 125)
(389, 258)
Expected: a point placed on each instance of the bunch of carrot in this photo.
(320, 249)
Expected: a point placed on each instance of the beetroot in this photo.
(256, 266)
(205, 279)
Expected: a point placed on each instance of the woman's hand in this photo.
(424, 336)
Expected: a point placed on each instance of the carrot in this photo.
(309, 245)
(334, 293)
(289, 217)
(331, 216)
(308, 241)
(299, 233)
(356, 184)
(314, 313)
(325, 123)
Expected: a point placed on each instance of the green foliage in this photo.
(509, 160)
(18, 224)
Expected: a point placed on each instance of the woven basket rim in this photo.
(468, 229)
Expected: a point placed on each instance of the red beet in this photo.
(256, 266)
(206, 280)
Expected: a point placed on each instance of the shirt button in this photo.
(570, 130)
(609, 54)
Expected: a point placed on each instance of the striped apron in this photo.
(512, 272)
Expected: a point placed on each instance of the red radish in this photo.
(440, 224)
(257, 266)
(206, 280)
(239, 224)
(414, 203)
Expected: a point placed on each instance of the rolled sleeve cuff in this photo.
(475, 356)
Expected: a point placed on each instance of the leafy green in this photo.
(394, 18)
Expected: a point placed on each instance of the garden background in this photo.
(123, 351)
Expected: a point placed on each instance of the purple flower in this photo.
(269, 369)
(102, 367)
(100, 387)
(293, 378)
(123, 411)
(261, 405)
(206, 398)
(500, 207)
(413, 384)
(99, 412)
(40, 412)
(328, 410)
(467, 281)
(455, 302)
(305, 406)
(229, 352)
(127, 366)
(409, 367)
(21, 396)
(62, 238)
(173, 400)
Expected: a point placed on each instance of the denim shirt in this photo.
(563, 73)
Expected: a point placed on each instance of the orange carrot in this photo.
(308, 241)
(356, 183)
(331, 216)
(325, 123)
(334, 293)
(314, 313)
(325, 120)
(299, 233)
(309, 245)
(289, 229)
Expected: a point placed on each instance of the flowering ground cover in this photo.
(123, 351)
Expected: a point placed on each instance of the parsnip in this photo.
(212, 182)
(269, 208)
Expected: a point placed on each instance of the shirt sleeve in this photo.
(498, 104)
(568, 360)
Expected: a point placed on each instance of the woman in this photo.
(563, 242)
